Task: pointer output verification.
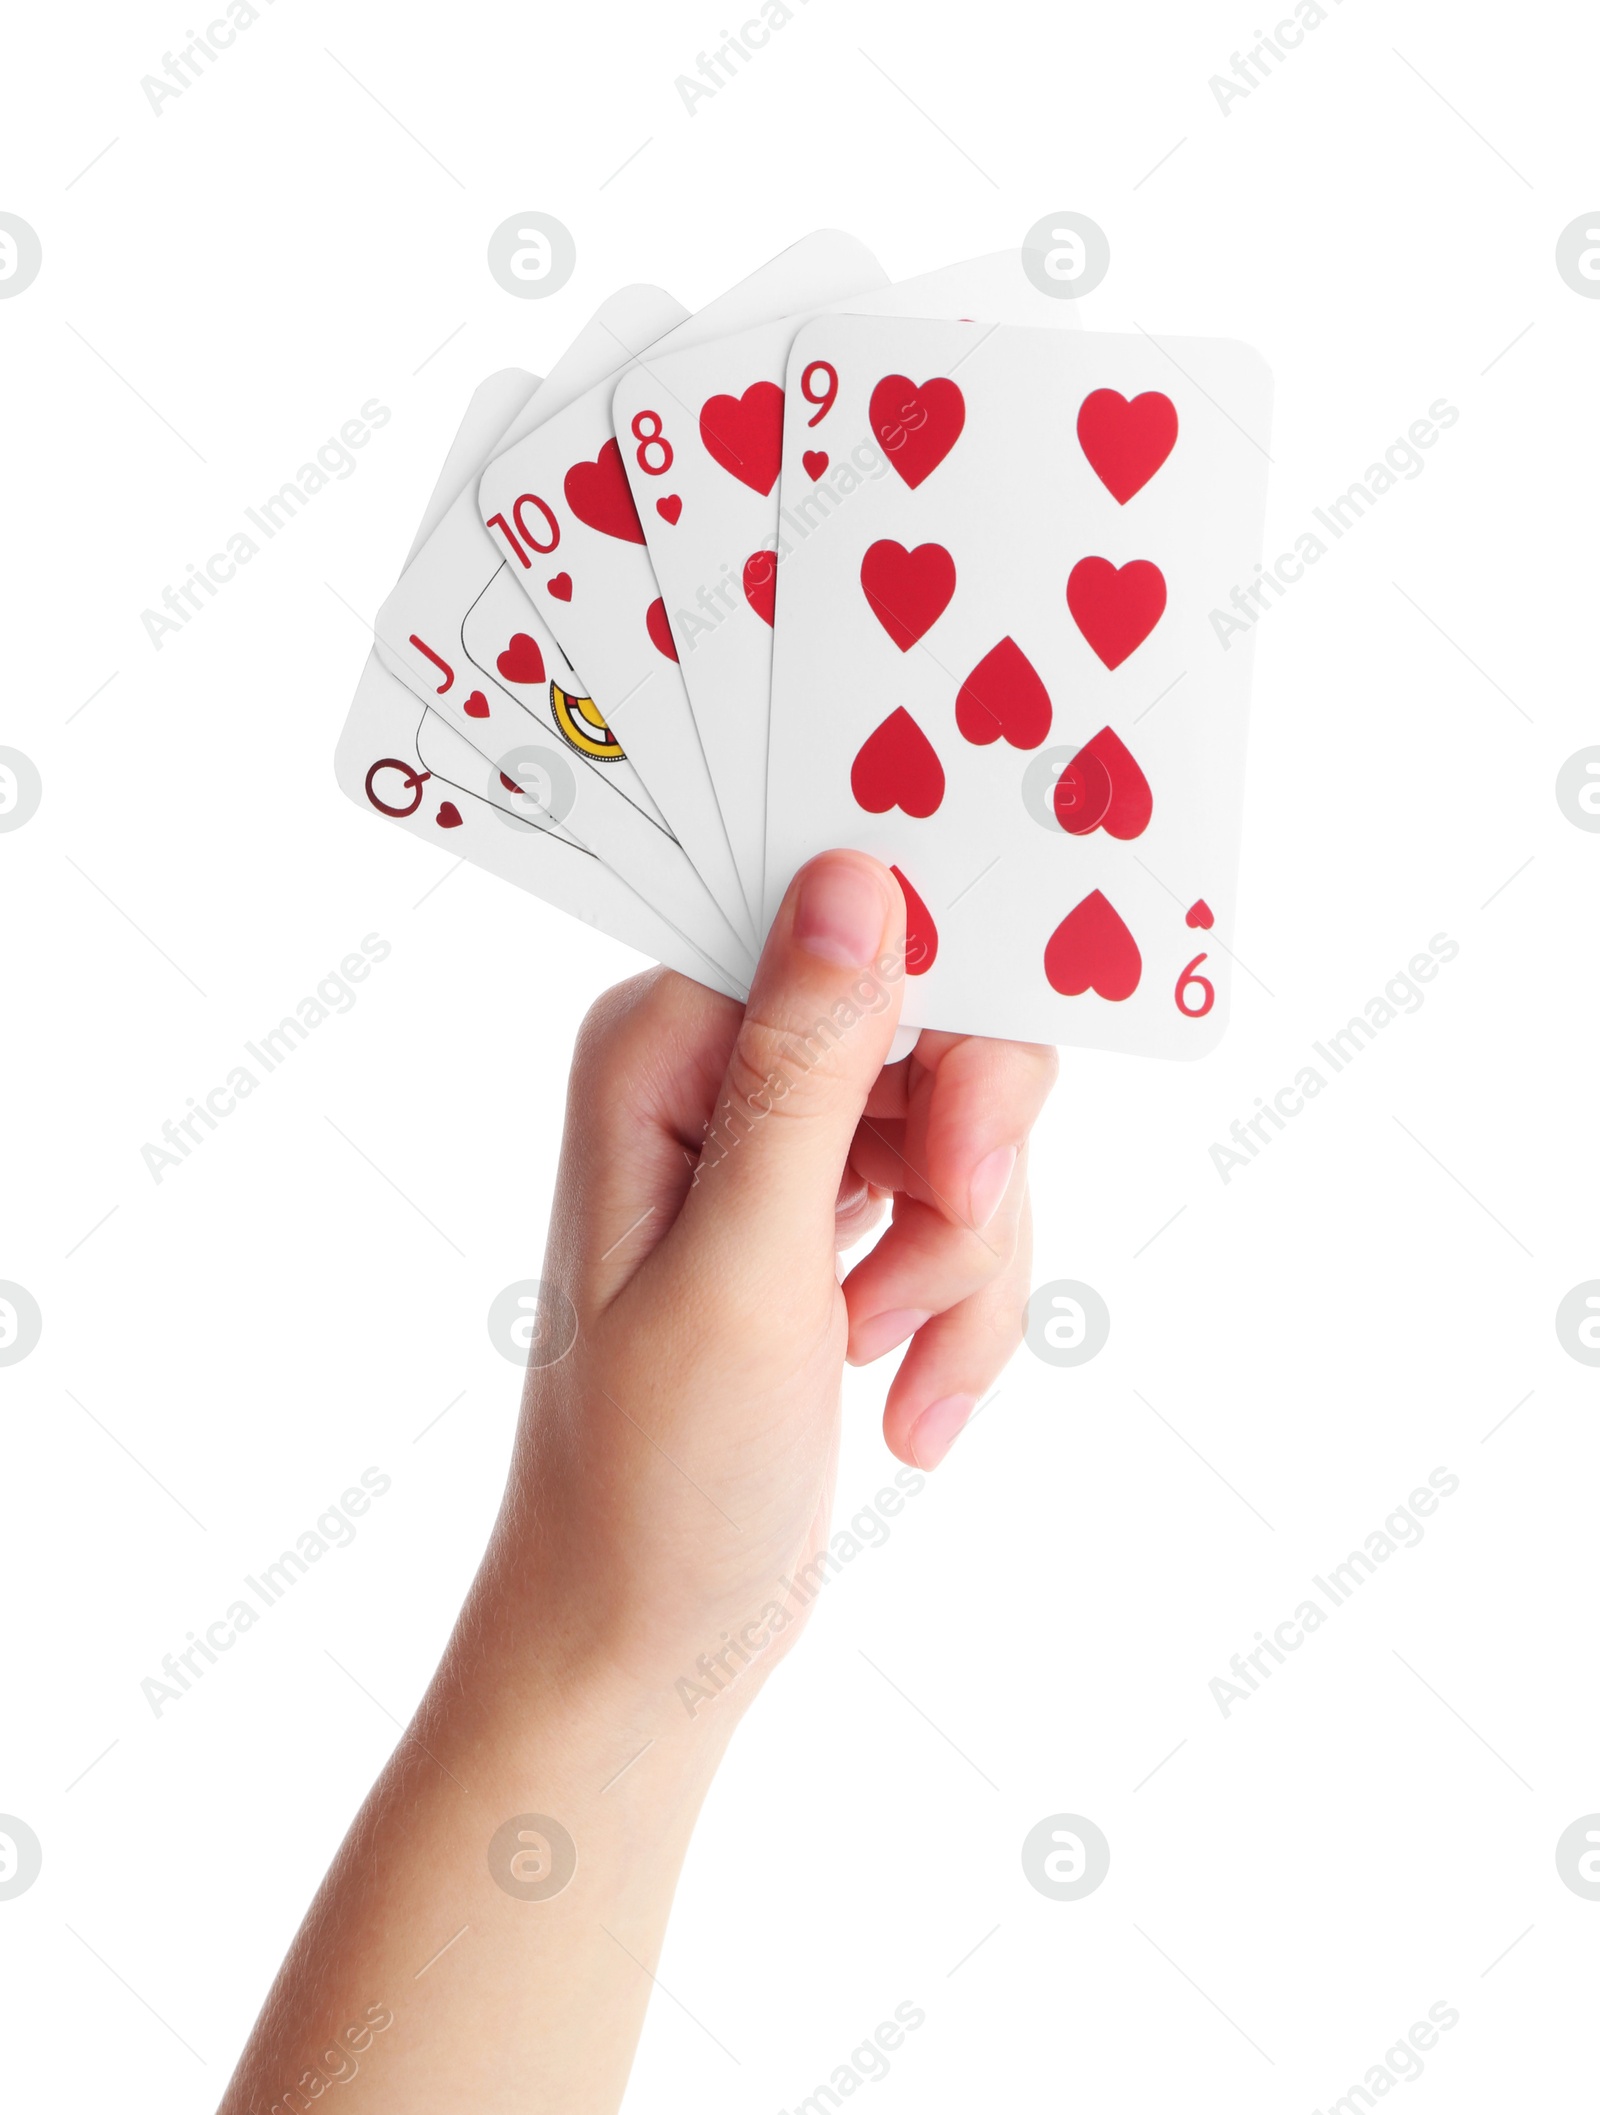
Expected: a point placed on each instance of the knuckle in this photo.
(1047, 1062)
(1031, 1067)
(773, 1070)
(622, 1026)
(609, 1016)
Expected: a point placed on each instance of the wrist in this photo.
(575, 1692)
(667, 1618)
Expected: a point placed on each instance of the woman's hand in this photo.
(673, 1474)
(676, 1464)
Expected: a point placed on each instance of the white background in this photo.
(1366, 1301)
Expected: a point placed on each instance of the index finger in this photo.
(968, 1116)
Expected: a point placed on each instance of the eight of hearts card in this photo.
(1005, 669)
(705, 486)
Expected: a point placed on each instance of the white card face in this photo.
(497, 402)
(534, 776)
(722, 403)
(1011, 667)
(563, 493)
(499, 643)
(522, 685)
(378, 765)
(421, 638)
(500, 648)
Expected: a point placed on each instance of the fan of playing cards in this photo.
(838, 562)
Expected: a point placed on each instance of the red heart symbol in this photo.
(598, 494)
(922, 935)
(449, 816)
(1082, 794)
(916, 427)
(909, 590)
(1199, 913)
(560, 585)
(1004, 696)
(1131, 801)
(655, 623)
(1116, 609)
(761, 583)
(1126, 443)
(522, 661)
(897, 767)
(1092, 950)
(670, 508)
(477, 706)
(815, 461)
(745, 434)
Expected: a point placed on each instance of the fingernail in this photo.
(841, 914)
(939, 1427)
(990, 1180)
(880, 1333)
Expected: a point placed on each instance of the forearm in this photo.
(502, 1993)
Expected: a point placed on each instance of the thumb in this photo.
(821, 1016)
